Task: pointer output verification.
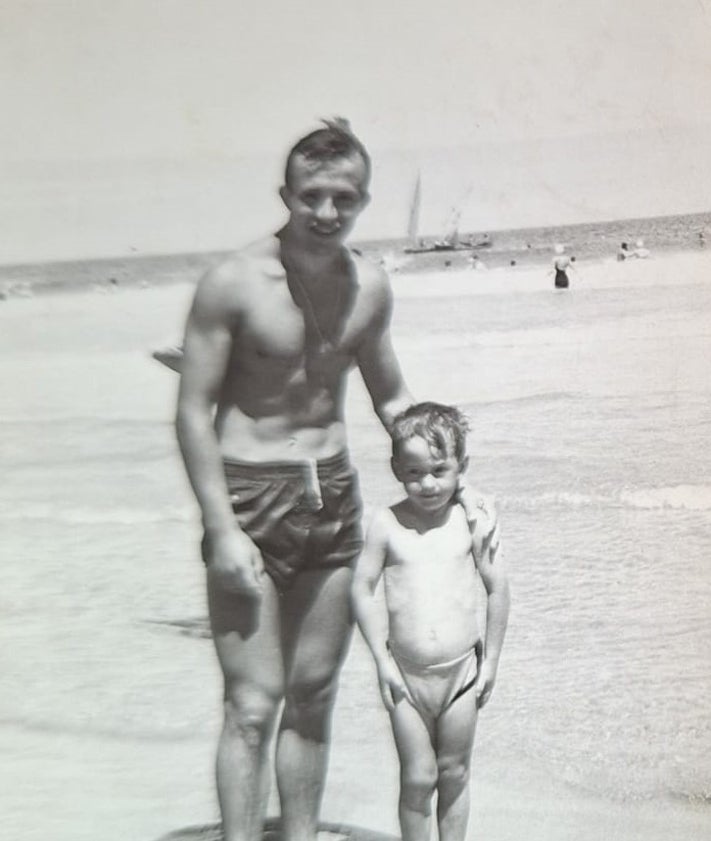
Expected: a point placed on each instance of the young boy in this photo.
(434, 669)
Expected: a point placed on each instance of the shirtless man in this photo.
(270, 337)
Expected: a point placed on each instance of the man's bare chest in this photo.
(277, 333)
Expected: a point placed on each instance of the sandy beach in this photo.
(110, 693)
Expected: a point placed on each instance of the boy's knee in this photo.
(417, 788)
(453, 774)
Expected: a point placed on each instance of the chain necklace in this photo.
(326, 342)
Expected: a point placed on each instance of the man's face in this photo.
(325, 199)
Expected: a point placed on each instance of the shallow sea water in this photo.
(591, 425)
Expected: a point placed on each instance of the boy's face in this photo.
(430, 477)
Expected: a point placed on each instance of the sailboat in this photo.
(450, 241)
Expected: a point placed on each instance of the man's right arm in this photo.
(207, 350)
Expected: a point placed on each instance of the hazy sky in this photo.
(207, 82)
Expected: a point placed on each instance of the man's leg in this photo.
(247, 642)
(316, 629)
(455, 738)
(418, 772)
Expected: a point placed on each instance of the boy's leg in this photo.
(316, 629)
(247, 642)
(418, 772)
(455, 739)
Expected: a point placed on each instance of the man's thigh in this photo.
(316, 627)
(247, 637)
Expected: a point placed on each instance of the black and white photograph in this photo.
(355, 420)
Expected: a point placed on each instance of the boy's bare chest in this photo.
(414, 553)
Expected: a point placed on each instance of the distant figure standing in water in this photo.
(561, 264)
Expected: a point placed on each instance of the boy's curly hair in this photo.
(443, 427)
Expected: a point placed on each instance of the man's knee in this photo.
(250, 712)
(308, 706)
(417, 786)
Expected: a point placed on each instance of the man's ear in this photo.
(394, 468)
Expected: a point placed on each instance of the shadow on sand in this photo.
(272, 832)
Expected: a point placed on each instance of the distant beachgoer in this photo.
(435, 670)
(702, 238)
(561, 264)
(623, 252)
(476, 263)
(640, 251)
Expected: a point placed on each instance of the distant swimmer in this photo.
(561, 264)
(640, 251)
(476, 263)
(623, 252)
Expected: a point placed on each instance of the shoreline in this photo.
(107, 275)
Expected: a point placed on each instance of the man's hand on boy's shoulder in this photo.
(483, 519)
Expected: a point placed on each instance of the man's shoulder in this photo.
(242, 269)
(371, 276)
(373, 288)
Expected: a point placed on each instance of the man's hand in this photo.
(485, 682)
(235, 564)
(483, 520)
(392, 686)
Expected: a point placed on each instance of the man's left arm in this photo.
(380, 367)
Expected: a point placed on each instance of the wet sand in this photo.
(71, 783)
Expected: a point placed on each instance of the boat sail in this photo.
(451, 241)
(414, 220)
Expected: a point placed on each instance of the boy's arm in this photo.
(490, 564)
(368, 571)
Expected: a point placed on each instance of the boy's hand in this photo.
(485, 683)
(392, 686)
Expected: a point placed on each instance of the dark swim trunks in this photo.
(300, 514)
